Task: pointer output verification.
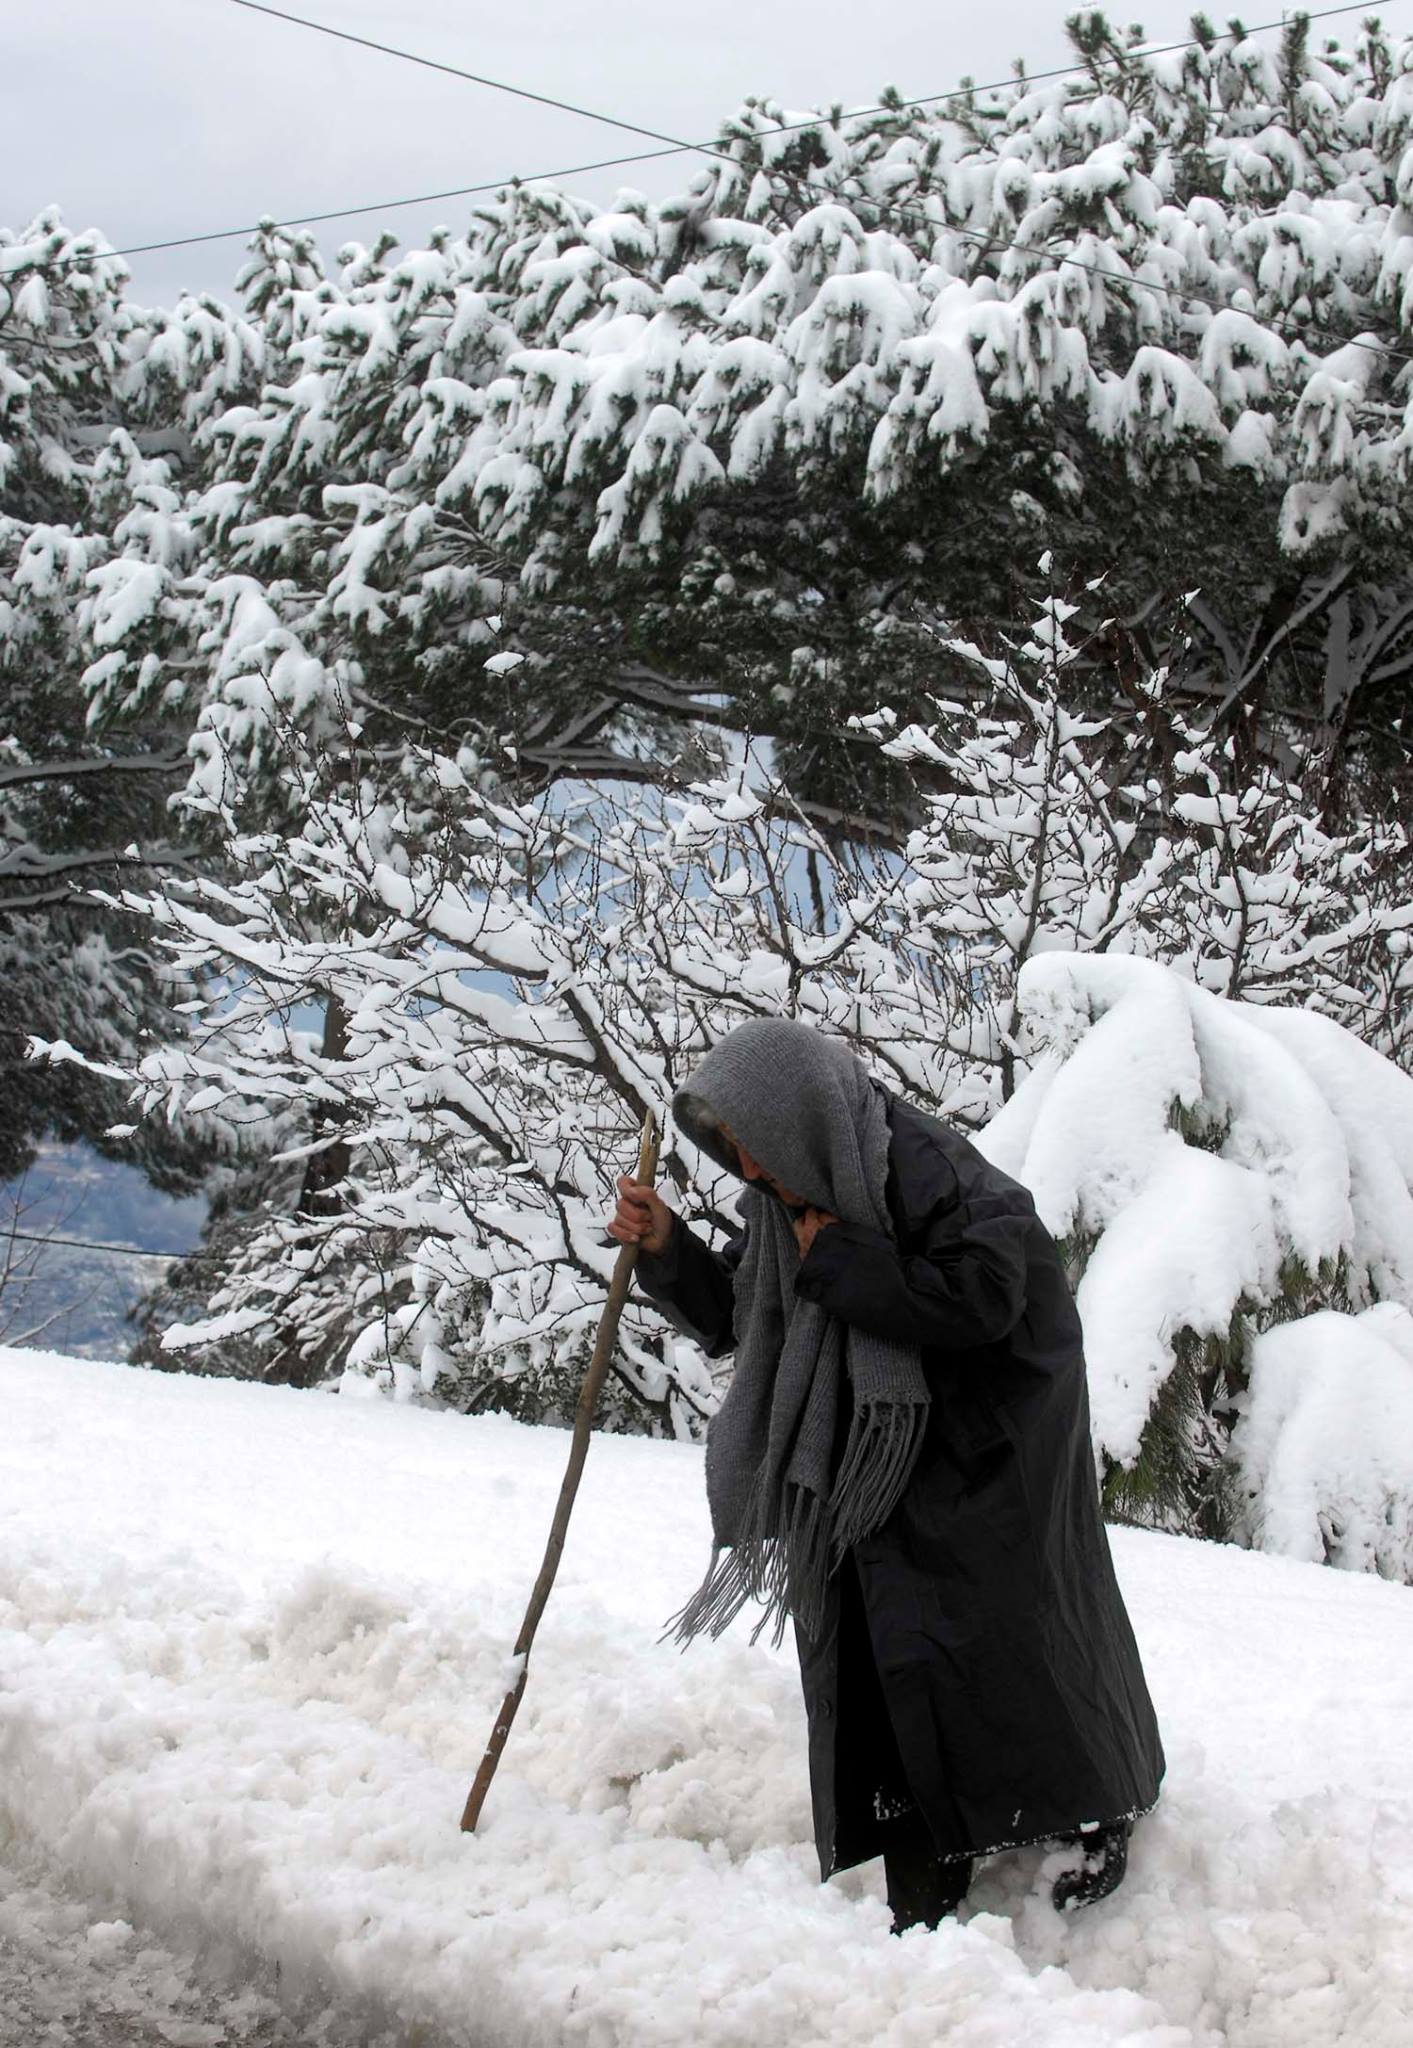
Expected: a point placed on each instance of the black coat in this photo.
(976, 1661)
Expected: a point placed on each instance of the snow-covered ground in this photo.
(251, 1642)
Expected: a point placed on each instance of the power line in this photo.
(521, 92)
(308, 220)
(985, 243)
(673, 147)
(85, 1244)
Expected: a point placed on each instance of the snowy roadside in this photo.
(70, 1977)
(250, 1643)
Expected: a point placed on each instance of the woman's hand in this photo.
(808, 1227)
(641, 1218)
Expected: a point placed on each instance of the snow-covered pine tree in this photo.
(727, 457)
(87, 518)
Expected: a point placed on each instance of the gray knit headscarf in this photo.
(782, 1517)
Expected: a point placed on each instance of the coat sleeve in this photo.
(962, 1284)
(695, 1287)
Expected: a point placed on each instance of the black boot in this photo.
(1102, 1871)
(923, 1887)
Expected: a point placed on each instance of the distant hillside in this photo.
(76, 1300)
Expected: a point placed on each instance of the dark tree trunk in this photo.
(320, 1199)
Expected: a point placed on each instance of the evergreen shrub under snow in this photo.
(1234, 1185)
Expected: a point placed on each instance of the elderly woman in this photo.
(902, 1466)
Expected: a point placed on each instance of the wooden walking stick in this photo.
(578, 1451)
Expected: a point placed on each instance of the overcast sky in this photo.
(169, 117)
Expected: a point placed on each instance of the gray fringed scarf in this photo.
(804, 1107)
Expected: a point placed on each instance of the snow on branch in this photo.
(512, 984)
(1324, 1444)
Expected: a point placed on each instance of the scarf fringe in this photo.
(789, 1567)
(884, 1440)
(786, 1569)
